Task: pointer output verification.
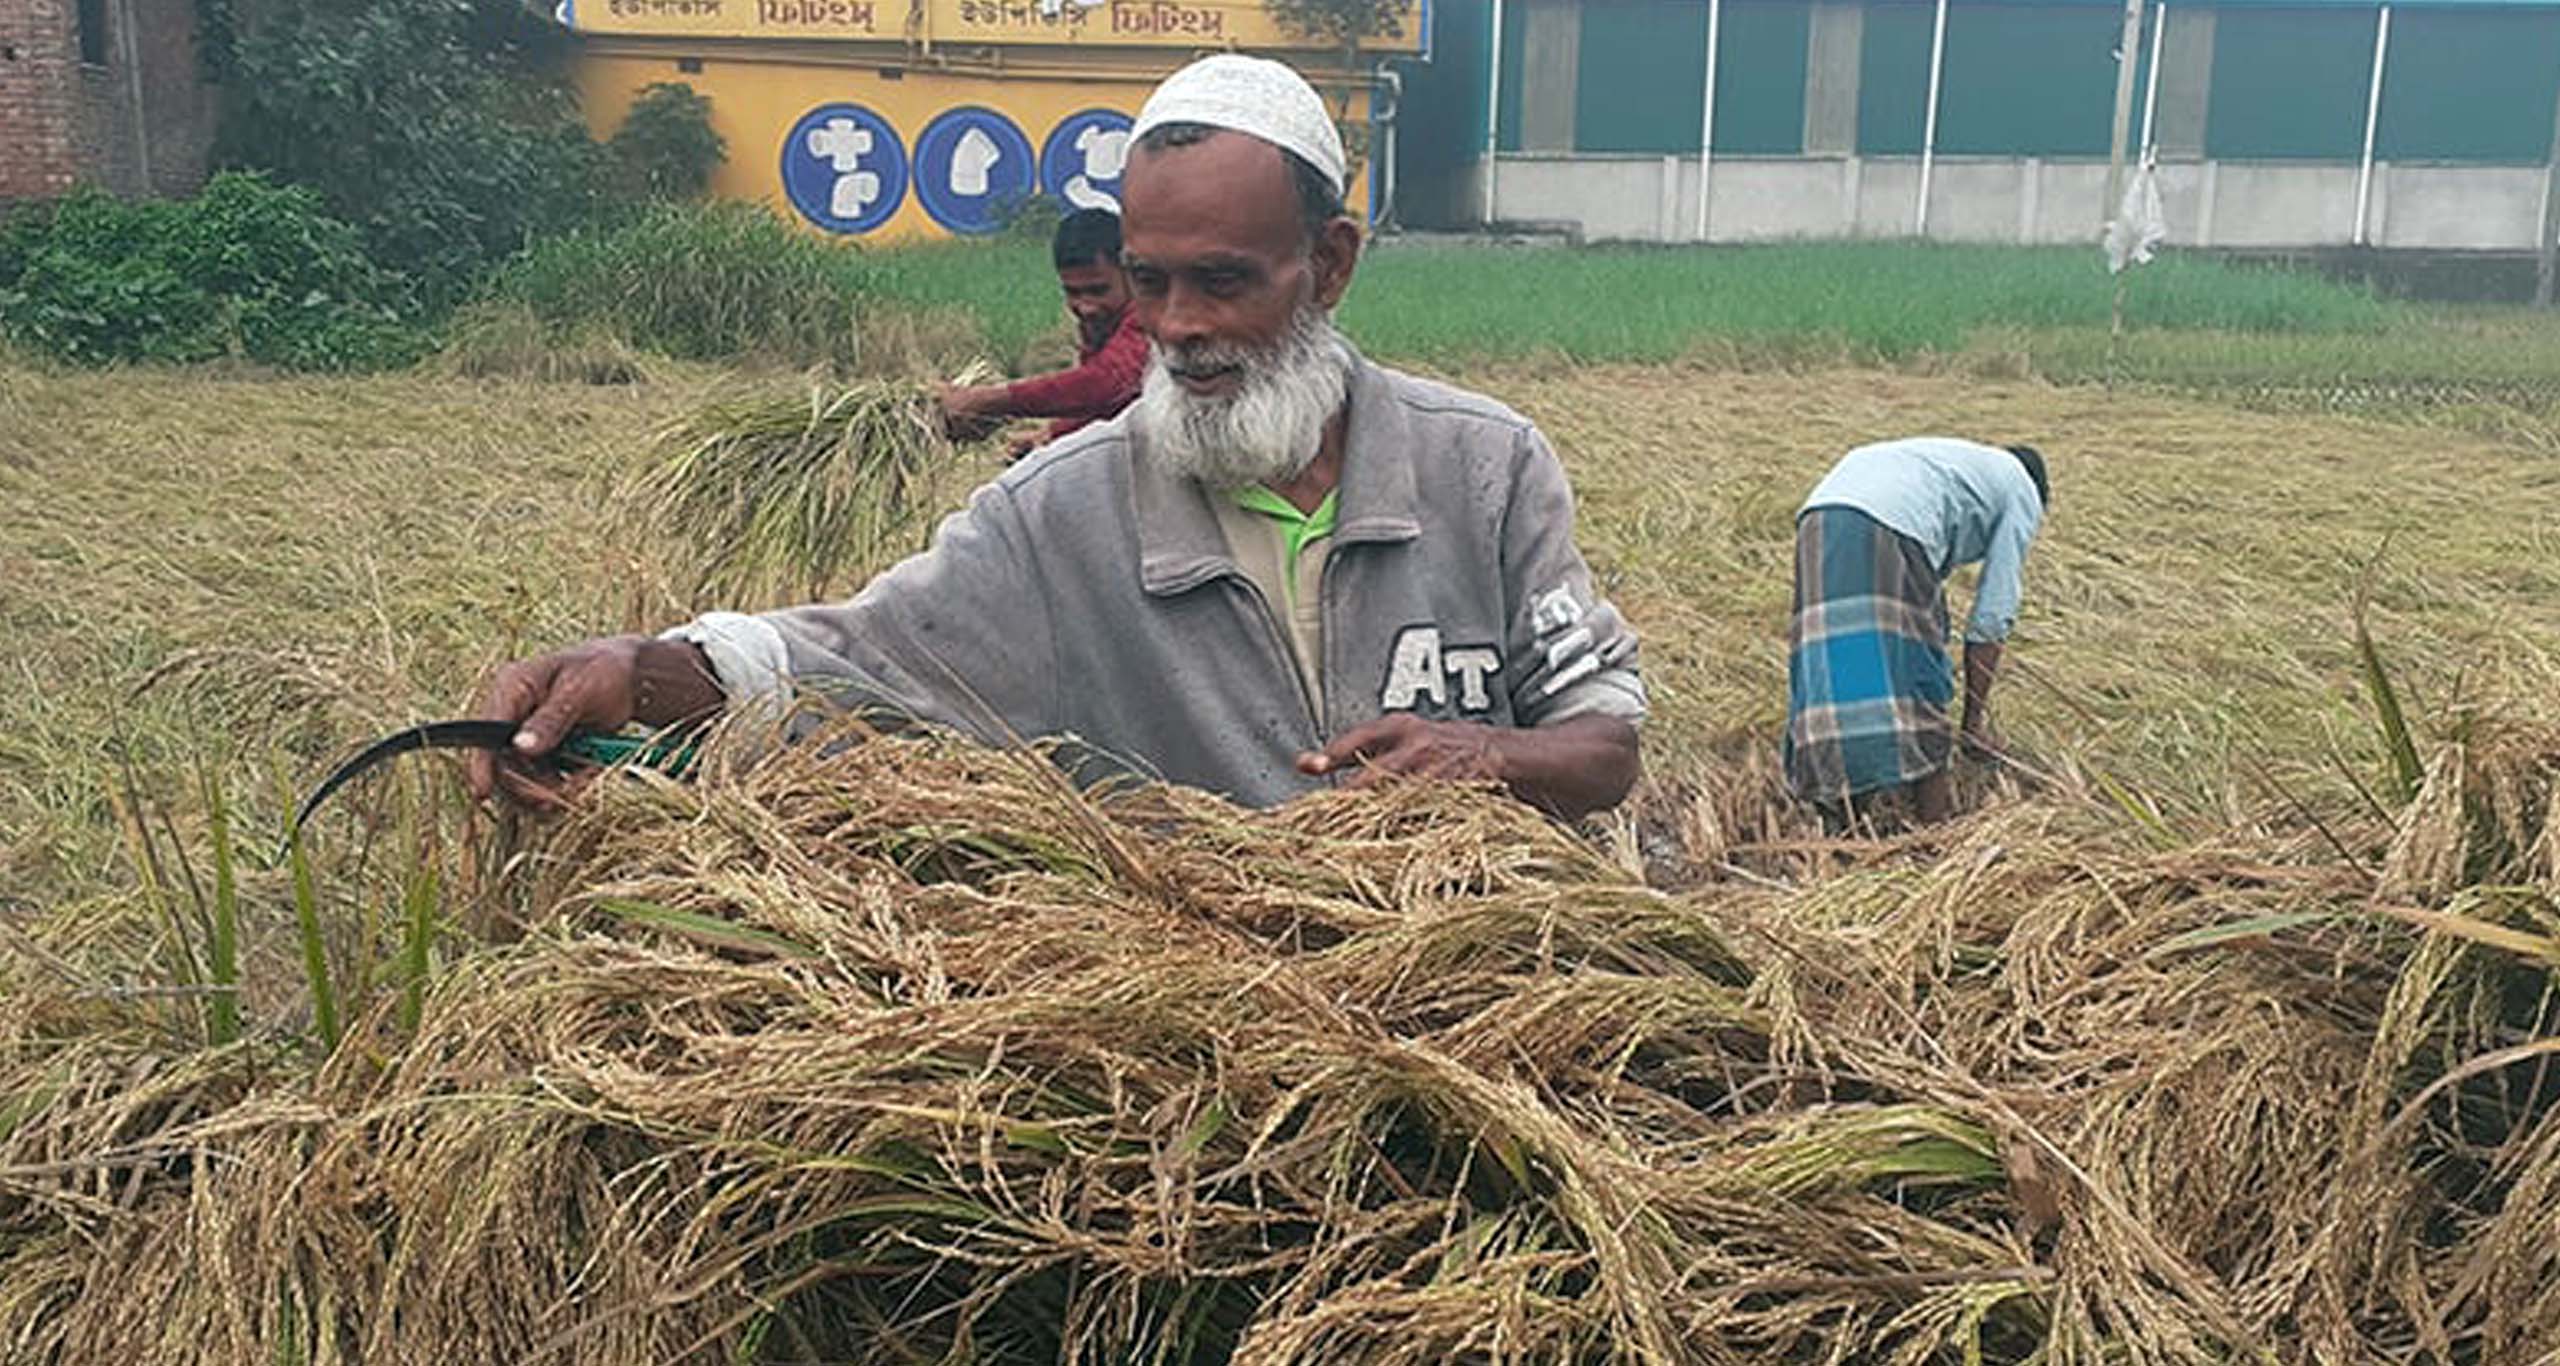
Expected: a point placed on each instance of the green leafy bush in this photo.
(666, 147)
(92, 311)
(438, 128)
(246, 268)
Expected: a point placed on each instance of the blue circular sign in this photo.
(1081, 163)
(844, 168)
(972, 165)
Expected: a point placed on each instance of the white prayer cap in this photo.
(1254, 96)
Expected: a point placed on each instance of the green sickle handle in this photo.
(669, 754)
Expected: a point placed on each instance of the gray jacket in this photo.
(1087, 593)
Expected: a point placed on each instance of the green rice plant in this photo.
(732, 280)
(1801, 302)
(222, 967)
(710, 931)
(417, 941)
(2247, 928)
(177, 941)
(205, 934)
(697, 282)
(2424, 363)
(728, 281)
(2389, 719)
(315, 946)
(1005, 288)
(768, 495)
(1795, 303)
(1848, 1148)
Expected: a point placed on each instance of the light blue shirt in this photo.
(1961, 500)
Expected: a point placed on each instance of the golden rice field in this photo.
(2218, 1032)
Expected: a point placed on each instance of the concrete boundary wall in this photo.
(2278, 127)
(2296, 205)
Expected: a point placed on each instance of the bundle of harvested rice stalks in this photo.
(762, 499)
(900, 1055)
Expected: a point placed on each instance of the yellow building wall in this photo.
(912, 118)
(872, 109)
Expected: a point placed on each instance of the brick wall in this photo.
(39, 59)
(142, 123)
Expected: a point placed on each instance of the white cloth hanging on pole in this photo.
(2128, 54)
(2139, 225)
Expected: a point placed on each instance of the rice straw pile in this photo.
(780, 499)
(906, 1055)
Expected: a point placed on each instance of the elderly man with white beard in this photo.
(1283, 568)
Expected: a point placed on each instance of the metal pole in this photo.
(2546, 271)
(2151, 82)
(2128, 49)
(1929, 126)
(1707, 116)
(1383, 215)
(1493, 115)
(2372, 116)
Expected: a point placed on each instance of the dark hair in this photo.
(1084, 237)
(1318, 202)
(2034, 462)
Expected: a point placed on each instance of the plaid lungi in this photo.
(1868, 678)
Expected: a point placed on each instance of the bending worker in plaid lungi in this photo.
(1868, 678)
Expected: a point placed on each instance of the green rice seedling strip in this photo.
(315, 946)
(223, 946)
(417, 941)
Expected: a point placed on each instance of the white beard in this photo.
(1269, 430)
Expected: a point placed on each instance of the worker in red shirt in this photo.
(1111, 352)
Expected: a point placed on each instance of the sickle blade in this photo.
(496, 736)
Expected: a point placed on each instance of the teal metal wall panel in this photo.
(1643, 76)
(2290, 83)
(1643, 73)
(2020, 79)
(1760, 79)
(1893, 78)
(2469, 85)
(2032, 80)
(1441, 123)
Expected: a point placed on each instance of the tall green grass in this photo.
(1448, 304)
(1870, 299)
(2510, 349)
(697, 283)
(1005, 287)
(724, 281)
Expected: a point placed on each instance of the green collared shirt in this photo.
(1283, 551)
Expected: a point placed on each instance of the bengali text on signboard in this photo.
(1135, 23)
